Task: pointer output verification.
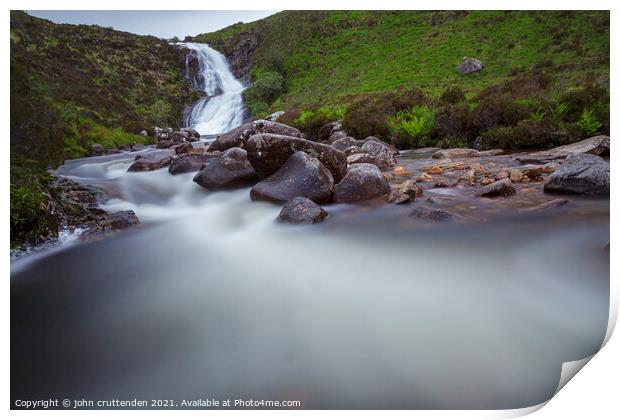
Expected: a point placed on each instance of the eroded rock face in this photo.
(380, 151)
(580, 174)
(503, 187)
(363, 181)
(190, 162)
(470, 65)
(151, 161)
(300, 176)
(598, 145)
(301, 210)
(237, 136)
(268, 152)
(432, 214)
(229, 170)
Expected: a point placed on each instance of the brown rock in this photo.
(363, 181)
(435, 170)
(503, 187)
(151, 161)
(516, 175)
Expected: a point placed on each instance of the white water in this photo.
(222, 108)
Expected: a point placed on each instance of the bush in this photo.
(263, 92)
(455, 121)
(412, 126)
(527, 134)
(588, 123)
(368, 114)
(310, 121)
(590, 96)
(452, 95)
(499, 111)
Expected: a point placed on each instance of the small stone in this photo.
(401, 171)
(501, 175)
(435, 170)
(503, 187)
(403, 193)
(424, 177)
(301, 210)
(486, 181)
(516, 175)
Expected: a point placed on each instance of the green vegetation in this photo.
(413, 125)
(543, 69)
(75, 85)
(588, 123)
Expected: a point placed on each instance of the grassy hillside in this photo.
(322, 64)
(74, 85)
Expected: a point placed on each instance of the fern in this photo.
(588, 123)
(413, 124)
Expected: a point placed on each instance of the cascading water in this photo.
(221, 109)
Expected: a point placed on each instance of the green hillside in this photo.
(318, 63)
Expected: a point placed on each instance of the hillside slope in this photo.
(75, 85)
(322, 62)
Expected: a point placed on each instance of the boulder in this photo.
(353, 150)
(363, 181)
(300, 176)
(237, 136)
(395, 151)
(503, 187)
(345, 142)
(275, 116)
(110, 222)
(403, 193)
(365, 158)
(598, 145)
(229, 170)
(325, 131)
(516, 175)
(432, 214)
(97, 150)
(380, 151)
(182, 148)
(455, 153)
(580, 174)
(301, 210)
(164, 144)
(152, 160)
(189, 162)
(470, 65)
(335, 135)
(137, 147)
(268, 152)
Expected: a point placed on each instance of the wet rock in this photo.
(151, 161)
(189, 162)
(425, 150)
(455, 153)
(353, 150)
(301, 210)
(486, 181)
(300, 176)
(503, 187)
(182, 148)
(403, 193)
(534, 173)
(326, 131)
(381, 152)
(268, 152)
(432, 214)
(469, 177)
(336, 135)
(424, 177)
(185, 135)
(501, 175)
(365, 158)
(553, 204)
(395, 151)
(229, 170)
(435, 170)
(550, 167)
(580, 174)
(110, 222)
(401, 171)
(492, 152)
(598, 145)
(516, 175)
(363, 181)
(444, 184)
(344, 143)
(275, 116)
(137, 147)
(97, 150)
(237, 136)
(164, 144)
(470, 65)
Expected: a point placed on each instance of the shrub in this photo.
(310, 121)
(266, 89)
(368, 114)
(560, 111)
(590, 96)
(452, 95)
(588, 123)
(412, 126)
(499, 111)
(455, 121)
(527, 134)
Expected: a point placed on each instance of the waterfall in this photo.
(221, 109)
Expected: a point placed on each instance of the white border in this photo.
(593, 395)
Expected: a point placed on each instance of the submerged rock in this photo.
(432, 214)
(455, 153)
(109, 223)
(580, 174)
(403, 193)
(503, 187)
(300, 176)
(237, 136)
(363, 181)
(598, 145)
(229, 170)
(268, 152)
(151, 161)
(301, 210)
(548, 205)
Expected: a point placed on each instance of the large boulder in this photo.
(301, 210)
(326, 131)
(189, 162)
(335, 135)
(237, 136)
(300, 176)
(365, 158)
(470, 65)
(598, 145)
(503, 187)
(580, 174)
(363, 181)
(229, 170)
(268, 152)
(380, 151)
(152, 160)
(185, 134)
